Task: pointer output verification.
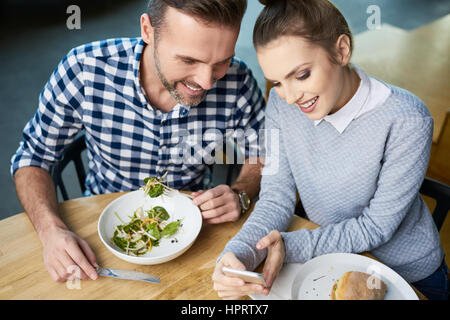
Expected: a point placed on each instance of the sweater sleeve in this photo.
(403, 169)
(277, 198)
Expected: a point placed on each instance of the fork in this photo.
(168, 189)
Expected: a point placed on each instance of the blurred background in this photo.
(34, 38)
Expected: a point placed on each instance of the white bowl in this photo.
(177, 205)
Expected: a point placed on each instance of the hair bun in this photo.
(268, 2)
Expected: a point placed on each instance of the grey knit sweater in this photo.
(360, 186)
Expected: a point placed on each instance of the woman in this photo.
(355, 148)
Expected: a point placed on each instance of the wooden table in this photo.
(23, 274)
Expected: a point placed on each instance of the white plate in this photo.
(177, 205)
(309, 283)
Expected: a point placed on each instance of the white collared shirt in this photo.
(370, 94)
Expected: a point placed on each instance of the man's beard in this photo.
(172, 87)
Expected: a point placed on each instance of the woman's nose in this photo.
(292, 96)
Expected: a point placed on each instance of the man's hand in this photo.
(64, 249)
(219, 204)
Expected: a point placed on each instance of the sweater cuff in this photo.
(295, 244)
(251, 258)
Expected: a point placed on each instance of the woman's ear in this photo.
(343, 49)
(147, 31)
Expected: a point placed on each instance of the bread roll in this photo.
(353, 285)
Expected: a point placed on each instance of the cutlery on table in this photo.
(127, 275)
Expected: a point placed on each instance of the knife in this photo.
(127, 274)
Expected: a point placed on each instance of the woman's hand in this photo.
(275, 255)
(230, 288)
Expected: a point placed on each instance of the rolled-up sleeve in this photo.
(57, 120)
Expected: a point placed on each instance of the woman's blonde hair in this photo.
(318, 21)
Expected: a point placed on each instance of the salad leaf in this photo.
(153, 186)
(156, 191)
(170, 229)
(120, 242)
(138, 236)
(133, 225)
(153, 230)
(159, 213)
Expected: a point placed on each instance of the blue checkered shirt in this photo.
(96, 89)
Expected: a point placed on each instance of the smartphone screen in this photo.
(247, 276)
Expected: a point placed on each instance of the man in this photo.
(136, 99)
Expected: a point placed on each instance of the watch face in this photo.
(245, 200)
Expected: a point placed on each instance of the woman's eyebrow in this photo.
(295, 70)
(291, 72)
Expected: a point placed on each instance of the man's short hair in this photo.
(227, 13)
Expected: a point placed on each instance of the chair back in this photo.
(441, 193)
(72, 153)
(431, 188)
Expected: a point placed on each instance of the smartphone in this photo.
(247, 276)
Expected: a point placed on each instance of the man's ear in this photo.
(147, 31)
(343, 49)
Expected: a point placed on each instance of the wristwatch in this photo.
(244, 200)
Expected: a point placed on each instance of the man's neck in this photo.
(157, 95)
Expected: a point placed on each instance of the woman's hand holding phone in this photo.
(230, 285)
(275, 255)
(233, 287)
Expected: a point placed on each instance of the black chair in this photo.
(72, 153)
(441, 193)
(431, 188)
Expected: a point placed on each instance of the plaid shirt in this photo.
(96, 88)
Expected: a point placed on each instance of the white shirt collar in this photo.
(342, 118)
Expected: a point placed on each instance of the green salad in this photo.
(144, 231)
(154, 186)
